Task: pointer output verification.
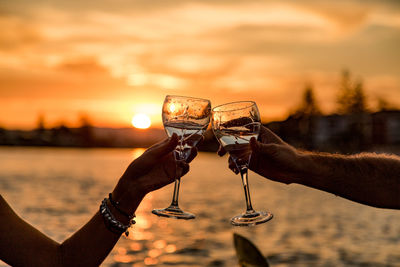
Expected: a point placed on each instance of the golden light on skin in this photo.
(141, 121)
(137, 152)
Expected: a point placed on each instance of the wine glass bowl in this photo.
(188, 118)
(234, 124)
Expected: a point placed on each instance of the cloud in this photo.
(16, 33)
(77, 78)
(83, 66)
(120, 50)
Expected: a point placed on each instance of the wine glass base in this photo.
(251, 219)
(173, 212)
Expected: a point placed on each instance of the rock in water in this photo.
(247, 253)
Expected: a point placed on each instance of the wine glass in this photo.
(234, 124)
(188, 117)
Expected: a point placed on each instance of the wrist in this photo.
(306, 168)
(312, 169)
(117, 214)
(128, 194)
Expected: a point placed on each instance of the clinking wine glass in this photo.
(189, 118)
(234, 124)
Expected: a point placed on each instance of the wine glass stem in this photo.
(178, 156)
(174, 202)
(244, 175)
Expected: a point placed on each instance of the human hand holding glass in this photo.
(234, 124)
(188, 118)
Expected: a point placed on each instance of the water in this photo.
(189, 133)
(58, 190)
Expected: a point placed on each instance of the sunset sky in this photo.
(114, 59)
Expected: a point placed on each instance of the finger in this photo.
(166, 146)
(221, 151)
(232, 166)
(254, 144)
(192, 155)
(183, 168)
(241, 162)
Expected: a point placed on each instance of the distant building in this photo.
(343, 133)
(386, 127)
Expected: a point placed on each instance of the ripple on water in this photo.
(58, 190)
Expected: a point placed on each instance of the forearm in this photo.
(92, 243)
(23, 245)
(369, 179)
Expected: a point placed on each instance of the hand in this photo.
(155, 168)
(272, 158)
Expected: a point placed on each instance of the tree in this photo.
(383, 104)
(40, 123)
(344, 97)
(351, 98)
(306, 118)
(352, 101)
(86, 131)
(309, 105)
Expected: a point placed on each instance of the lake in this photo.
(59, 189)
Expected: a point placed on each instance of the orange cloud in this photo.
(62, 58)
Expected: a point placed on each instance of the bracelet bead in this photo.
(116, 206)
(111, 222)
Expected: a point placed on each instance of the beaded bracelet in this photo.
(116, 204)
(111, 222)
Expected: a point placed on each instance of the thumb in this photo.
(254, 145)
(221, 151)
(166, 147)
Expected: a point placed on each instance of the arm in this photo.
(23, 245)
(366, 178)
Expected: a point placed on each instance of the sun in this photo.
(141, 121)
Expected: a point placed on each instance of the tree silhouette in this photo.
(306, 118)
(40, 126)
(86, 131)
(351, 98)
(384, 105)
(358, 104)
(309, 106)
(352, 102)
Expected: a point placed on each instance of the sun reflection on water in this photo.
(154, 253)
(143, 247)
(136, 246)
(143, 223)
(137, 152)
(160, 244)
(124, 258)
(150, 261)
(171, 248)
